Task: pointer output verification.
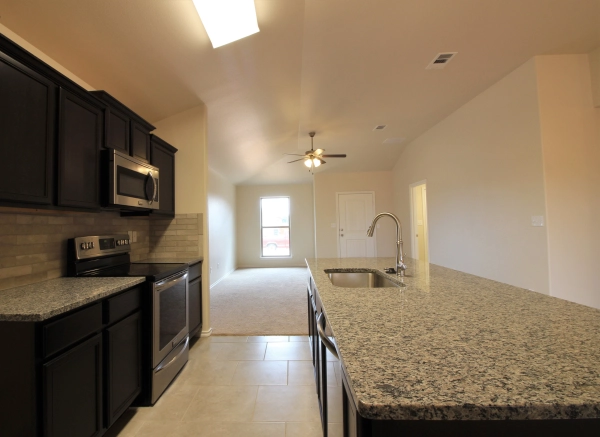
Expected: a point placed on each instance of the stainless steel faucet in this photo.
(400, 266)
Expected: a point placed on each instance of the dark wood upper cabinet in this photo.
(27, 133)
(125, 131)
(80, 138)
(117, 131)
(163, 157)
(140, 141)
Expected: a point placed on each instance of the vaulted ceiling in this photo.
(338, 67)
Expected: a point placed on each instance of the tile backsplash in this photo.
(33, 244)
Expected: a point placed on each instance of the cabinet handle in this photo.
(328, 344)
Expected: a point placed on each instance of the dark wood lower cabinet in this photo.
(123, 351)
(75, 374)
(195, 306)
(72, 385)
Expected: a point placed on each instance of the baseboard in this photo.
(227, 274)
(206, 333)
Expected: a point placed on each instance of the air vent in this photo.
(380, 127)
(393, 140)
(441, 60)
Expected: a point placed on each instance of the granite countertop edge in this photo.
(43, 300)
(401, 390)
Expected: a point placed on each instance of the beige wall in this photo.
(221, 226)
(186, 131)
(248, 224)
(41, 55)
(326, 185)
(570, 127)
(484, 172)
(594, 56)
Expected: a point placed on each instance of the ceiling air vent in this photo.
(441, 60)
(380, 127)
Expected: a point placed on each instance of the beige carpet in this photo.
(260, 302)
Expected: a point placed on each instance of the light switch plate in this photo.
(537, 220)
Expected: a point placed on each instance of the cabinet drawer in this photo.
(195, 271)
(70, 329)
(122, 305)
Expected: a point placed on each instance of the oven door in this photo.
(133, 183)
(170, 315)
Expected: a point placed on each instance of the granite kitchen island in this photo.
(462, 353)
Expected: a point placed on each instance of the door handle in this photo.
(341, 235)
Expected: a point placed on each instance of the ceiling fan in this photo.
(314, 158)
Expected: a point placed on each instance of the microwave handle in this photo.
(154, 189)
(150, 196)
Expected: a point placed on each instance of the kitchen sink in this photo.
(360, 279)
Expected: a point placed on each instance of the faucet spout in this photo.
(400, 266)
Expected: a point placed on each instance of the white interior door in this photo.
(355, 211)
(419, 223)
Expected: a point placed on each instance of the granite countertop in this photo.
(43, 300)
(455, 346)
(186, 260)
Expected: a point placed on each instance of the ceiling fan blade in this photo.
(293, 154)
(322, 162)
(319, 151)
(296, 160)
(343, 155)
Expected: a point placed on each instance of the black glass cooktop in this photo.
(152, 272)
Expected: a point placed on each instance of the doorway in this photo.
(419, 230)
(355, 212)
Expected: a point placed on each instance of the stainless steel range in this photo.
(166, 343)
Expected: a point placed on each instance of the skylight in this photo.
(226, 21)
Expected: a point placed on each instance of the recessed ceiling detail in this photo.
(441, 60)
(380, 127)
(397, 140)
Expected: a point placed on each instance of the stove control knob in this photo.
(127, 241)
(92, 244)
(82, 246)
(118, 242)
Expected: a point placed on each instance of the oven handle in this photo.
(183, 346)
(170, 281)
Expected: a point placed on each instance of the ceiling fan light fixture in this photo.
(308, 163)
(226, 21)
(316, 162)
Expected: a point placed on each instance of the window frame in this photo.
(289, 227)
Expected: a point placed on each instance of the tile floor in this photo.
(240, 386)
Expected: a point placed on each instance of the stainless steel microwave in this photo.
(132, 183)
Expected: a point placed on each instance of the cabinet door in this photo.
(195, 305)
(165, 161)
(73, 391)
(79, 142)
(117, 131)
(27, 129)
(140, 142)
(123, 365)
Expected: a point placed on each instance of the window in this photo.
(275, 226)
